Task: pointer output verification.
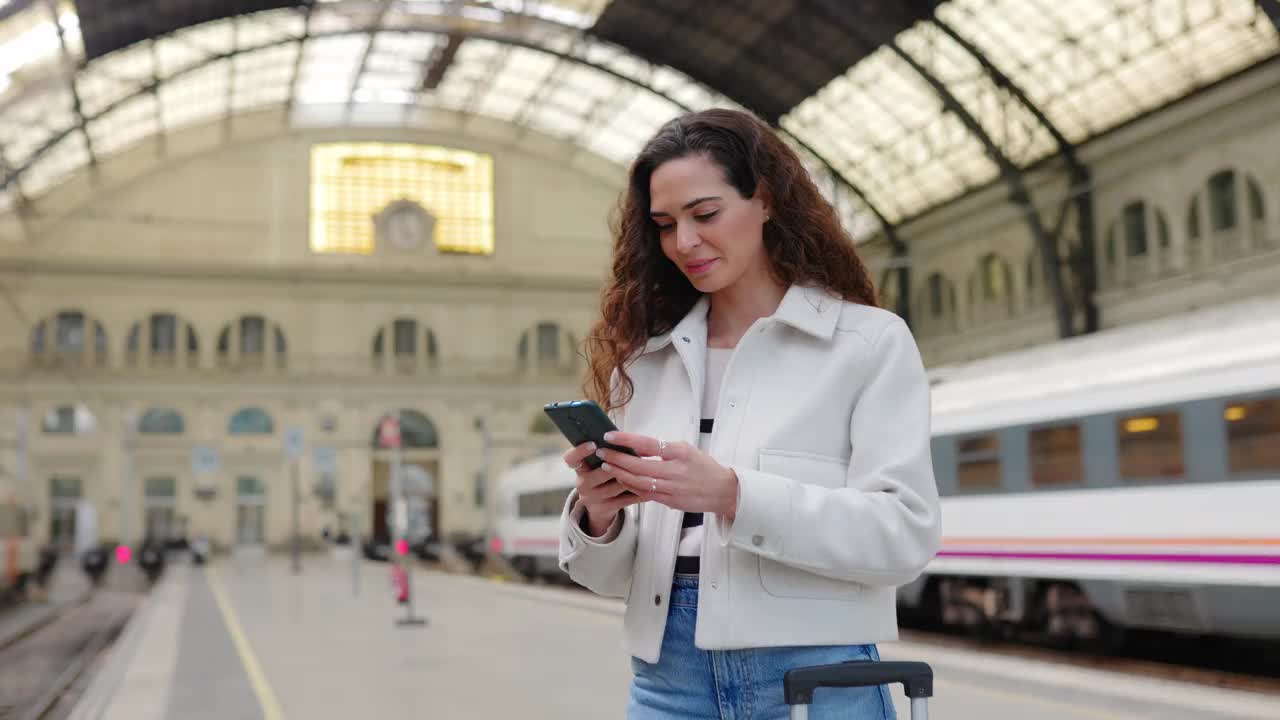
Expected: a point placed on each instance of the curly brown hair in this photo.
(646, 294)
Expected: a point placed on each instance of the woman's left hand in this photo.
(675, 474)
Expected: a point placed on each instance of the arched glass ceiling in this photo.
(535, 68)
(1087, 65)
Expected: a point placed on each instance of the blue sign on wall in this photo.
(205, 460)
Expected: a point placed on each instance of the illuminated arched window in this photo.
(400, 198)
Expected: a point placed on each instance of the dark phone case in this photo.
(583, 421)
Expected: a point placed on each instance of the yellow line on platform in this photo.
(266, 697)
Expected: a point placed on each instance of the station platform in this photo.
(248, 638)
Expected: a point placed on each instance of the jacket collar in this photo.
(808, 309)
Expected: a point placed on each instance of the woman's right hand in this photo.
(603, 496)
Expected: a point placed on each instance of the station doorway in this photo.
(420, 478)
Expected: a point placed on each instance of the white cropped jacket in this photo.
(824, 417)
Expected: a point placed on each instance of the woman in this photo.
(784, 485)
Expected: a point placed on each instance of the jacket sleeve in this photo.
(603, 565)
(884, 526)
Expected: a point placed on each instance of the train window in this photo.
(1150, 446)
(978, 462)
(1253, 435)
(544, 503)
(1055, 456)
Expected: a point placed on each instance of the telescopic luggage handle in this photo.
(916, 679)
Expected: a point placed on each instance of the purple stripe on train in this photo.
(1126, 557)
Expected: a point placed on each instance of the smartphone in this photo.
(582, 421)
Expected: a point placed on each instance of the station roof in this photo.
(897, 105)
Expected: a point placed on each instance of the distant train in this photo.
(19, 559)
(530, 497)
(1126, 479)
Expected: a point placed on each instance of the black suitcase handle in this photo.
(799, 684)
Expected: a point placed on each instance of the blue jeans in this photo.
(739, 684)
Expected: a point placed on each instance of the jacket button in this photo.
(757, 540)
(657, 599)
(685, 338)
(733, 404)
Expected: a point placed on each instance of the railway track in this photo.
(45, 663)
(28, 627)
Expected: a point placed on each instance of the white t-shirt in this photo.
(717, 360)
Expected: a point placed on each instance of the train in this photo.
(526, 528)
(20, 559)
(1123, 480)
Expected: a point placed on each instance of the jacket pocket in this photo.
(779, 579)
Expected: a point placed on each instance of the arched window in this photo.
(547, 339)
(245, 343)
(1222, 201)
(936, 304)
(1131, 241)
(938, 288)
(889, 289)
(161, 421)
(990, 290)
(416, 431)
(433, 350)
(995, 278)
(548, 343)
(1136, 233)
(1230, 197)
(251, 421)
(405, 337)
(165, 337)
(68, 420)
(1257, 208)
(408, 336)
(65, 338)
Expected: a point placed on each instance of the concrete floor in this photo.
(249, 639)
